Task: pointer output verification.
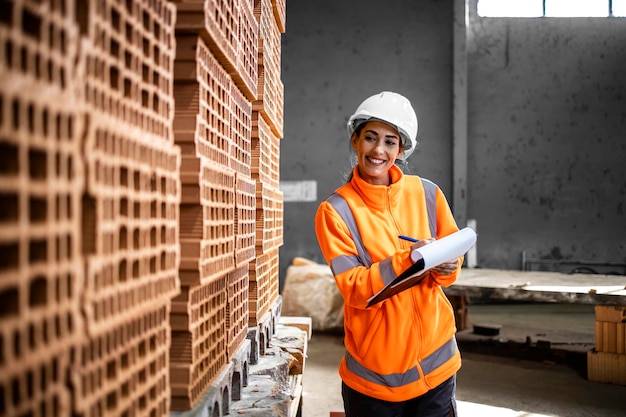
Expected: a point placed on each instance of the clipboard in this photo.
(427, 257)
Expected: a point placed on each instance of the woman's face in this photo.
(377, 146)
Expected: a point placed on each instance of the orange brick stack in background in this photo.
(216, 87)
(607, 362)
(140, 211)
(267, 130)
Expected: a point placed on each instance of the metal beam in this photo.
(459, 115)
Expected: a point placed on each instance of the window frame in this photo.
(610, 12)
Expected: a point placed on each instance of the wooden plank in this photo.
(537, 286)
(296, 395)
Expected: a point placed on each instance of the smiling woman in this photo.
(377, 146)
(381, 373)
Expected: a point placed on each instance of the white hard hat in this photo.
(391, 108)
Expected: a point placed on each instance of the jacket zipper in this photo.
(416, 317)
(399, 243)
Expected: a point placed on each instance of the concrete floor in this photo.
(501, 383)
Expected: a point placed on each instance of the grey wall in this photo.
(546, 115)
(337, 53)
(547, 142)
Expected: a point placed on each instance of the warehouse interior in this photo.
(521, 123)
(161, 163)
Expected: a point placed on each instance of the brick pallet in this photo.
(125, 370)
(241, 133)
(130, 223)
(267, 129)
(228, 29)
(607, 361)
(130, 208)
(265, 152)
(199, 346)
(245, 220)
(236, 310)
(202, 94)
(271, 90)
(216, 83)
(207, 222)
(127, 54)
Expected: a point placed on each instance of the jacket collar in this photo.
(376, 196)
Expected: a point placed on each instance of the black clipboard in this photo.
(413, 275)
(446, 248)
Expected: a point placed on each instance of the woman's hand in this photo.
(445, 268)
(421, 243)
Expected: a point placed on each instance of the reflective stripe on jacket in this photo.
(404, 346)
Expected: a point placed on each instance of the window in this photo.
(619, 8)
(510, 8)
(551, 8)
(568, 8)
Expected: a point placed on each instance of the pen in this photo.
(410, 239)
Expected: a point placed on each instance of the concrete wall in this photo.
(547, 141)
(337, 53)
(546, 114)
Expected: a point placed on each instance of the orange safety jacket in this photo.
(404, 346)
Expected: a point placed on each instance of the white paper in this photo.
(443, 250)
(446, 249)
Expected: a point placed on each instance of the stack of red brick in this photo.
(90, 191)
(229, 208)
(140, 214)
(267, 130)
(40, 193)
(607, 362)
(129, 207)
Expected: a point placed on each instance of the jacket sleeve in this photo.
(357, 283)
(446, 225)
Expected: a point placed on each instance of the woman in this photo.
(401, 354)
